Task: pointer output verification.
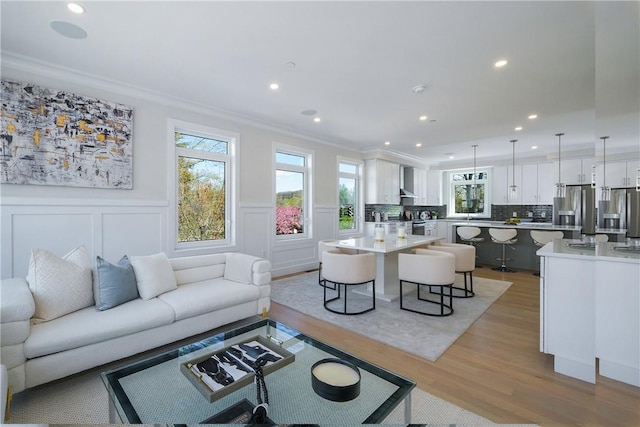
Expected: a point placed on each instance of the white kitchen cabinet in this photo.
(383, 182)
(537, 184)
(575, 171)
(568, 315)
(420, 186)
(617, 174)
(503, 177)
(443, 229)
(434, 188)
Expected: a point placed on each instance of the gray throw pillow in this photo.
(117, 283)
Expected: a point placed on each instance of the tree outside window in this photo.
(348, 183)
(468, 193)
(202, 199)
(291, 192)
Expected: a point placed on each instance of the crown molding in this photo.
(23, 63)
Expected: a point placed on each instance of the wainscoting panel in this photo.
(135, 233)
(295, 257)
(107, 228)
(326, 222)
(57, 233)
(254, 232)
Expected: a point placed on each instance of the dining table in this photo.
(386, 251)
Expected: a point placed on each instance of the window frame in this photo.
(487, 192)
(359, 202)
(230, 160)
(307, 171)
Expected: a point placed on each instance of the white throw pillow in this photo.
(153, 274)
(60, 285)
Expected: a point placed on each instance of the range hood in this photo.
(408, 194)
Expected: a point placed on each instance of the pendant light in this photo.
(513, 188)
(561, 189)
(605, 192)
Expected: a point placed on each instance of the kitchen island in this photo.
(590, 308)
(523, 252)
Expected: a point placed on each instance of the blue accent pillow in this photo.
(116, 283)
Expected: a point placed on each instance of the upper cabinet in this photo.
(574, 171)
(503, 177)
(420, 186)
(383, 182)
(434, 188)
(617, 174)
(537, 184)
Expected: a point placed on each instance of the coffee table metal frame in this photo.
(122, 406)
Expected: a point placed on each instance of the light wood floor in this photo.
(495, 369)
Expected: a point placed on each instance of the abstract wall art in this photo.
(52, 137)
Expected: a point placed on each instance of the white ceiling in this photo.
(575, 64)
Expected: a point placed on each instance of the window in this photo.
(292, 184)
(349, 196)
(468, 196)
(203, 191)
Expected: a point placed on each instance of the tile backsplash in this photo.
(540, 213)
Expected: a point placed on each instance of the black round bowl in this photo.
(335, 379)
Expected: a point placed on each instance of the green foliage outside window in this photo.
(201, 191)
(347, 204)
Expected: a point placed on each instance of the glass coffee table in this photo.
(156, 391)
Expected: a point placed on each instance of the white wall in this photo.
(112, 223)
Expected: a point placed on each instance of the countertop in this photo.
(575, 248)
(391, 243)
(521, 225)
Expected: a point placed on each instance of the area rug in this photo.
(82, 399)
(425, 336)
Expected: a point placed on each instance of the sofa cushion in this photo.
(239, 267)
(202, 297)
(89, 326)
(154, 275)
(116, 283)
(198, 268)
(60, 285)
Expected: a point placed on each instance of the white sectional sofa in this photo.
(211, 291)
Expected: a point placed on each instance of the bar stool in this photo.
(504, 236)
(348, 270)
(541, 238)
(465, 264)
(432, 269)
(470, 235)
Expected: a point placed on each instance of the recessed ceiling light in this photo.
(290, 64)
(501, 63)
(423, 118)
(68, 29)
(387, 143)
(419, 144)
(75, 8)
(533, 116)
(452, 157)
(274, 86)
(316, 119)
(418, 88)
(534, 147)
(518, 128)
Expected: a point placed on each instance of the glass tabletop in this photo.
(157, 391)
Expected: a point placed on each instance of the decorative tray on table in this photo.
(223, 371)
